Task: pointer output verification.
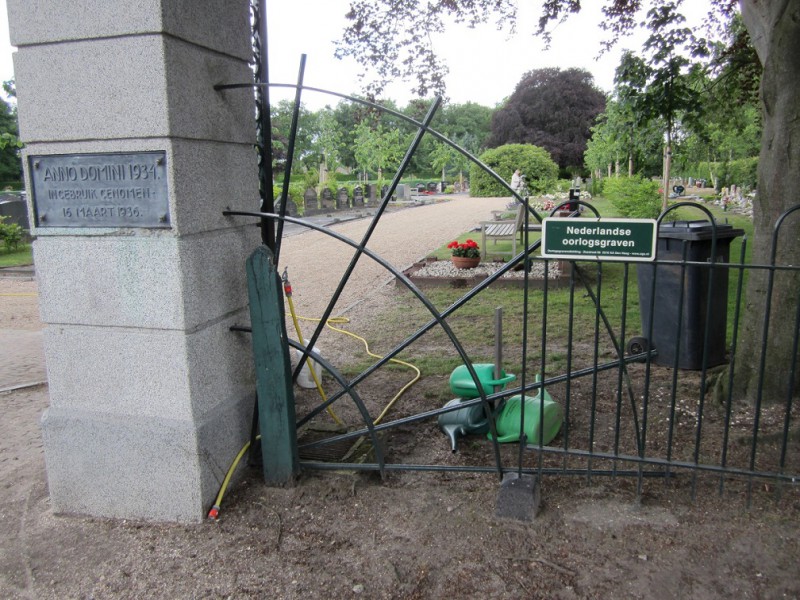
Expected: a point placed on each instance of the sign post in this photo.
(606, 239)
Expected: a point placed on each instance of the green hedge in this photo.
(635, 197)
(535, 163)
(10, 235)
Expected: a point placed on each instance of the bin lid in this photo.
(697, 230)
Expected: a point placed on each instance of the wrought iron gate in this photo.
(626, 412)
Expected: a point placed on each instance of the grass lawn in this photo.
(606, 209)
(473, 322)
(16, 258)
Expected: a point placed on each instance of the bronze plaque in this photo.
(100, 190)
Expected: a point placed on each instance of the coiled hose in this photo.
(213, 514)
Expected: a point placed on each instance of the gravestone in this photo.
(384, 191)
(358, 197)
(372, 193)
(432, 187)
(403, 192)
(291, 208)
(342, 198)
(15, 208)
(310, 202)
(421, 189)
(327, 200)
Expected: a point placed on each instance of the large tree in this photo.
(395, 37)
(306, 151)
(553, 109)
(10, 164)
(621, 144)
(774, 28)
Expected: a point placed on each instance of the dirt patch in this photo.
(412, 535)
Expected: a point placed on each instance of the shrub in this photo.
(742, 173)
(10, 234)
(296, 191)
(596, 186)
(333, 186)
(311, 178)
(635, 197)
(535, 163)
(563, 185)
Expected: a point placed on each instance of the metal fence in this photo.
(632, 406)
(659, 409)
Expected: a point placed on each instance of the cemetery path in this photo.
(316, 261)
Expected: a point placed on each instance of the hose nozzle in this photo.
(287, 287)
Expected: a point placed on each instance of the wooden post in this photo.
(276, 412)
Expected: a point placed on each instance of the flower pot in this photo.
(465, 262)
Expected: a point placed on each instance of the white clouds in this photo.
(6, 62)
(485, 64)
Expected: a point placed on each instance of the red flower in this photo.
(468, 248)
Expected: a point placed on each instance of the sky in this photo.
(6, 64)
(485, 65)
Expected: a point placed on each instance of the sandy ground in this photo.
(413, 535)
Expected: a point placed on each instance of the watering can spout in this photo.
(453, 431)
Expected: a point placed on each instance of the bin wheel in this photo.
(638, 345)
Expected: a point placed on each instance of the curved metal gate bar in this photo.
(643, 455)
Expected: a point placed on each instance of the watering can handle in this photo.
(503, 380)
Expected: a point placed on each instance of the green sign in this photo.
(606, 239)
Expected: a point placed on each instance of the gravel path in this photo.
(316, 262)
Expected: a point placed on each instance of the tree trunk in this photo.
(775, 30)
(667, 168)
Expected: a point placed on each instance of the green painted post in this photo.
(276, 414)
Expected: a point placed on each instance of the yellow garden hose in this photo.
(342, 320)
(213, 514)
(311, 369)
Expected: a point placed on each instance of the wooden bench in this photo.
(506, 230)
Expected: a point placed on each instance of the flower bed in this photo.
(442, 273)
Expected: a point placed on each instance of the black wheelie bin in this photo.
(679, 327)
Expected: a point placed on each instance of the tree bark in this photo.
(774, 27)
(667, 166)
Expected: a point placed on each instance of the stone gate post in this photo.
(130, 159)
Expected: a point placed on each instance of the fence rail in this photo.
(642, 415)
(655, 404)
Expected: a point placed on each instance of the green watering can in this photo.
(508, 420)
(470, 419)
(463, 386)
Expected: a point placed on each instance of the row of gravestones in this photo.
(314, 204)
